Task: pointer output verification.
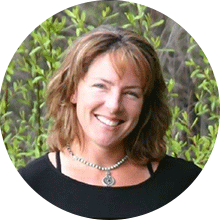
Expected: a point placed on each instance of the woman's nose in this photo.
(114, 102)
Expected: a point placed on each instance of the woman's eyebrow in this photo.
(126, 87)
(133, 87)
(106, 81)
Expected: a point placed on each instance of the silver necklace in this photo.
(108, 180)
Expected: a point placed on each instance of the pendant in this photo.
(108, 180)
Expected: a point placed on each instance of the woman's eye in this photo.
(132, 94)
(99, 85)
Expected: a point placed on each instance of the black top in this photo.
(171, 178)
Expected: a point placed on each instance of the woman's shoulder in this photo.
(35, 168)
(179, 167)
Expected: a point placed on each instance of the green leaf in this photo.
(179, 125)
(141, 15)
(191, 40)
(211, 130)
(35, 50)
(8, 78)
(15, 86)
(69, 13)
(113, 15)
(185, 116)
(158, 23)
(7, 138)
(187, 155)
(127, 25)
(37, 79)
(191, 48)
(78, 32)
(83, 16)
(200, 76)
(6, 128)
(190, 62)
(90, 27)
(194, 123)
(171, 85)
(130, 17)
(194, 73)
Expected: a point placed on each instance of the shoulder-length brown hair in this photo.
(146, 142)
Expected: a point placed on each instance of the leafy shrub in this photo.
(194, 126)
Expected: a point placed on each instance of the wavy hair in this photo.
(125, 47)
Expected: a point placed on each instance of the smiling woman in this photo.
(107, 106)
(108, 154)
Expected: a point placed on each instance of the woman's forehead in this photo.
(123, 59)
(127, 62)
(105, 69)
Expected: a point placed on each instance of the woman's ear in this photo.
(73, 98)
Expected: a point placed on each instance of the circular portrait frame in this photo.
(169, 50)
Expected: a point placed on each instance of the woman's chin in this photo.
(108, 143)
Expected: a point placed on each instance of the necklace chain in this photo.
(80, 159)
(108, 180)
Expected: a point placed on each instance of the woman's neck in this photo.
(102, 155)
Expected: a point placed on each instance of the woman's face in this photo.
(107, 106)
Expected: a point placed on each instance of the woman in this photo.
(107, 151)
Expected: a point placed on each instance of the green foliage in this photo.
(23, 92)
(197, 146)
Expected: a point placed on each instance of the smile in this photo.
(111, 123)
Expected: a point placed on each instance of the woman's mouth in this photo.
(109, 122)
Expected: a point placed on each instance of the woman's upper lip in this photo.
(110, 117)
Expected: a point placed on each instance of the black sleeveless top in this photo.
(170, 179)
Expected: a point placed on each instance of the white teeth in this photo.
(107, 121)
